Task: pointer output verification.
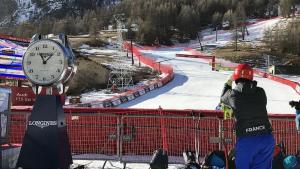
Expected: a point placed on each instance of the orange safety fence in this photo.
(133, 134)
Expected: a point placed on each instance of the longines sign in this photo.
(42, 124)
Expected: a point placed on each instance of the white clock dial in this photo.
(44, 62)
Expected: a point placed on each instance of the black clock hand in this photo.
(49, 57)
(41, 55)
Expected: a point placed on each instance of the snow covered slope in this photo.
(195, 86)
(256, 33)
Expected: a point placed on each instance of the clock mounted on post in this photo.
(47, 63)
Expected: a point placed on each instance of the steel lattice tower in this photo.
(120, 77)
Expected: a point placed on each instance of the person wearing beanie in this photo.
(255, 142)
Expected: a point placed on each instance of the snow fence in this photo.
(131, 135)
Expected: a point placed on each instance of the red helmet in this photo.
(243, 71)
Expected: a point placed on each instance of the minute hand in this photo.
(49, 57)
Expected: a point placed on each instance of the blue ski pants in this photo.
(254, 152)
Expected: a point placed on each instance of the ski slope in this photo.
(195, 86)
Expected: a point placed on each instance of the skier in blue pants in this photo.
(255, 142)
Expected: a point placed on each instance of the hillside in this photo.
(18, 11)
(8, 7)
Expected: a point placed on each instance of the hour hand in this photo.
(42, 56)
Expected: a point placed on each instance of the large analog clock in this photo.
(45, 62)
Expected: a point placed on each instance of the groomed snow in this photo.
(195, 86)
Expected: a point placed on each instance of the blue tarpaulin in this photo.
(11, 59)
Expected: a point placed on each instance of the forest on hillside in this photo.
(158, 20)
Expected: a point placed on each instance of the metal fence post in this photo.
(120, 137)
(221, 133)
(197, 136)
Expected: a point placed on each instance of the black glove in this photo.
(295, 104)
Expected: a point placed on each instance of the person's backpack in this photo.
(159, 159)
(215, 158)
(278, 156)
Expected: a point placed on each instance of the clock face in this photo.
(44, 62)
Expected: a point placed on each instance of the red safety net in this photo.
(122, 133)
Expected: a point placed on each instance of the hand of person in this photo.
(292, 103)
(295, 104)
(229, 81)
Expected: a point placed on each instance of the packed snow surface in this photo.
(196, 86)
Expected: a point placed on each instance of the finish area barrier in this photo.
(201, 56)
(131, 135)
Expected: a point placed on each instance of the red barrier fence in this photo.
(132, 135)
(164, 68)
(292, 84)
(201, 56)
